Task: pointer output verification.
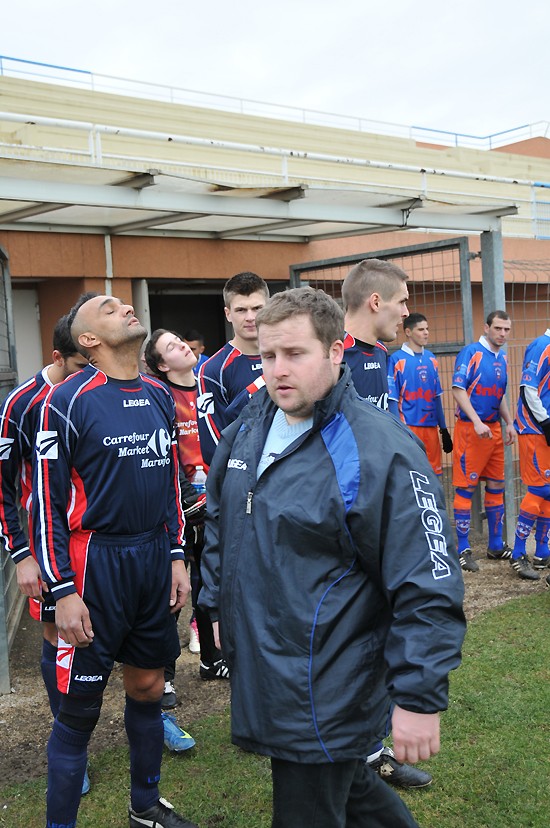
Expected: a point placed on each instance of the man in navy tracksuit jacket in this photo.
(330, 570)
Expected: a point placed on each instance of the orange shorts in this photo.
(476, 458)
(430, 437)
(534, 459)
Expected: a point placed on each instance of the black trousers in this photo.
(334, 795)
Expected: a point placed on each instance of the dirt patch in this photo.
(25, 718)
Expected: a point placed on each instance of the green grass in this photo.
(492, 771)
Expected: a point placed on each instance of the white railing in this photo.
(33, 70)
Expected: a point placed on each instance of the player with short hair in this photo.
(108, 529)
(18, 426)
(532, 424)
(233, 373)
(413, 377)
(375, 295)
(479, 386)
(375, 298)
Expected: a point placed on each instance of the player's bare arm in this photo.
(463, 401)
(29, 578)
(510, 432)
(180, 586)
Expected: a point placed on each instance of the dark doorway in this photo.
(181, 311)
(179, 307)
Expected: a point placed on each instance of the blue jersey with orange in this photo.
(368, 365)
(414, 383)
(223, 378)
(483, 374)
(18, 426)
(106, 462)
(535, 375)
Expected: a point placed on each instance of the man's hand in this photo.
(180, 586)
(415, 735)
(29, 578)
(446, 440)
(482, 430)
(509, 435)
(72, 620)
(216, 631)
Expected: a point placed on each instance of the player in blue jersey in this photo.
(479, 386)
(18, 425)
(413, 377)
(533, 426)
(375, 298)
(108, 529)
(232, 374)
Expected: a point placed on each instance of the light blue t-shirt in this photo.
(280, 436)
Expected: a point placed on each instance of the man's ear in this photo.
(336, 352)
(57, 358)
(374, 302)
(88, 340)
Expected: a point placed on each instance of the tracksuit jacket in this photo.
(333, 576)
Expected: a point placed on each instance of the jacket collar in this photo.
(261, 404)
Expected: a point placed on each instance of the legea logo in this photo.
(5, 447)
(47, 445)
(205, 404)
(131, 403)
(432, 524)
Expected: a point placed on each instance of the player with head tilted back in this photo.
(109, 527)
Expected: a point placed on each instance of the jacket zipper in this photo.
(249, 497)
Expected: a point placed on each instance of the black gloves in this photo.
(546, 431)
(446, 440)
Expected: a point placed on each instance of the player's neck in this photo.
(185, 378)
(361, 330)
(120, 363)
(416, 349)
(249, 347)
(55, 373)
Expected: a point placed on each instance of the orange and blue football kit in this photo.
(532, 424)
(483, 374)
(414, 383)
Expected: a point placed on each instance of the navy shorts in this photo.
(125, 582)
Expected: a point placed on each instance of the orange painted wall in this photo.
(64, 265)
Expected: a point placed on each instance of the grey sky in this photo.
(479, 66)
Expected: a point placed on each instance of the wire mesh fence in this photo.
(439, 288)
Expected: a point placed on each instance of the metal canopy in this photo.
(60, 197)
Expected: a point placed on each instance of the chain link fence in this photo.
(439, 287)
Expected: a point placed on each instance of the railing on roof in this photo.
(33, 70)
